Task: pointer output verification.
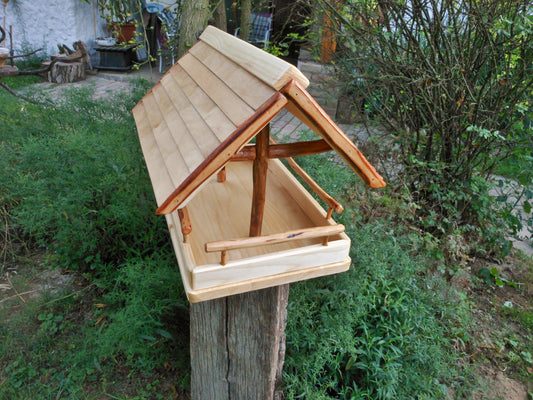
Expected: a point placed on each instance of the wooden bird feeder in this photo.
(239, 220)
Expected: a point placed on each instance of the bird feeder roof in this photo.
(211, 103)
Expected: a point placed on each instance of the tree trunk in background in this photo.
(246, 10)
(238, 345)
(195, 14)
(219, 15)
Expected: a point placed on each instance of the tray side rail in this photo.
(308, 233)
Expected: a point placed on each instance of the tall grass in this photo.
(74, 189)
(74, 186)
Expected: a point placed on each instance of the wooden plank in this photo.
(217, 121)
(236, 77)
(223, 153)
(273, 71)
(238, 270)
(308, 233)
(179, 129)
(186, 132)
(331, 133)
(223, 95)
(185, 260)
(174, 163)
(161, 181)
(260, 169)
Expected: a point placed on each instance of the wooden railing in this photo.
(309, 233)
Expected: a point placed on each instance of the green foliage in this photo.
(452, 80)
(375, 332)
(74, 183)
(79, 183)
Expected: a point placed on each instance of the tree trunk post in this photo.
(238, 345)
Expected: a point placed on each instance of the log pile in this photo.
(69, 64)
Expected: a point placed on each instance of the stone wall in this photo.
(45, 24)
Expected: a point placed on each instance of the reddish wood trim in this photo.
(224, 152)
(221, 175)
(244, 243)
(260, 170)
(247, 153)
(285, 150)
(185, 220)
(300, 149)
(330, 132)
(330, 201)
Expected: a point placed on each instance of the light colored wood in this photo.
(200, 295)
(184, 120)
(288, 207)
(223, 95)
(330, 201)
(238, 270)
(202, 104)
(331, 133)
(259, 171)
(233, 75)
(223, 153)
(244, 243)
(273, 71)
(159, 175)
(168, 148)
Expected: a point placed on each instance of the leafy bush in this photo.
(77, 181)
(452, 80)
(375, 332)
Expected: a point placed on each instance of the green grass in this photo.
(76, 192)
(77, 197)
(386, 329)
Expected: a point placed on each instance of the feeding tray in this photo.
(238, 218)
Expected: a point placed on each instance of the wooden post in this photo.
(238, 345)
(260, 169)
(238, 342)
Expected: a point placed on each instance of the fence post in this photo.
(238, 345)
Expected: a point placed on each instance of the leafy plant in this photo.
(452, 81)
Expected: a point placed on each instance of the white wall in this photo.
(46, 23)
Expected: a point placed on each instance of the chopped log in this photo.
(66, 72)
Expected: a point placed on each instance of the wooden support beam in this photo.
(221, 175)
(285, 150)
(185, 221)
(330, 201)
(260, 170)
(305, 108)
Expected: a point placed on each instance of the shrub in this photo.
(77, 181)
(452, 81)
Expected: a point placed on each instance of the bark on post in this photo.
(238, 345)
(195, 14)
